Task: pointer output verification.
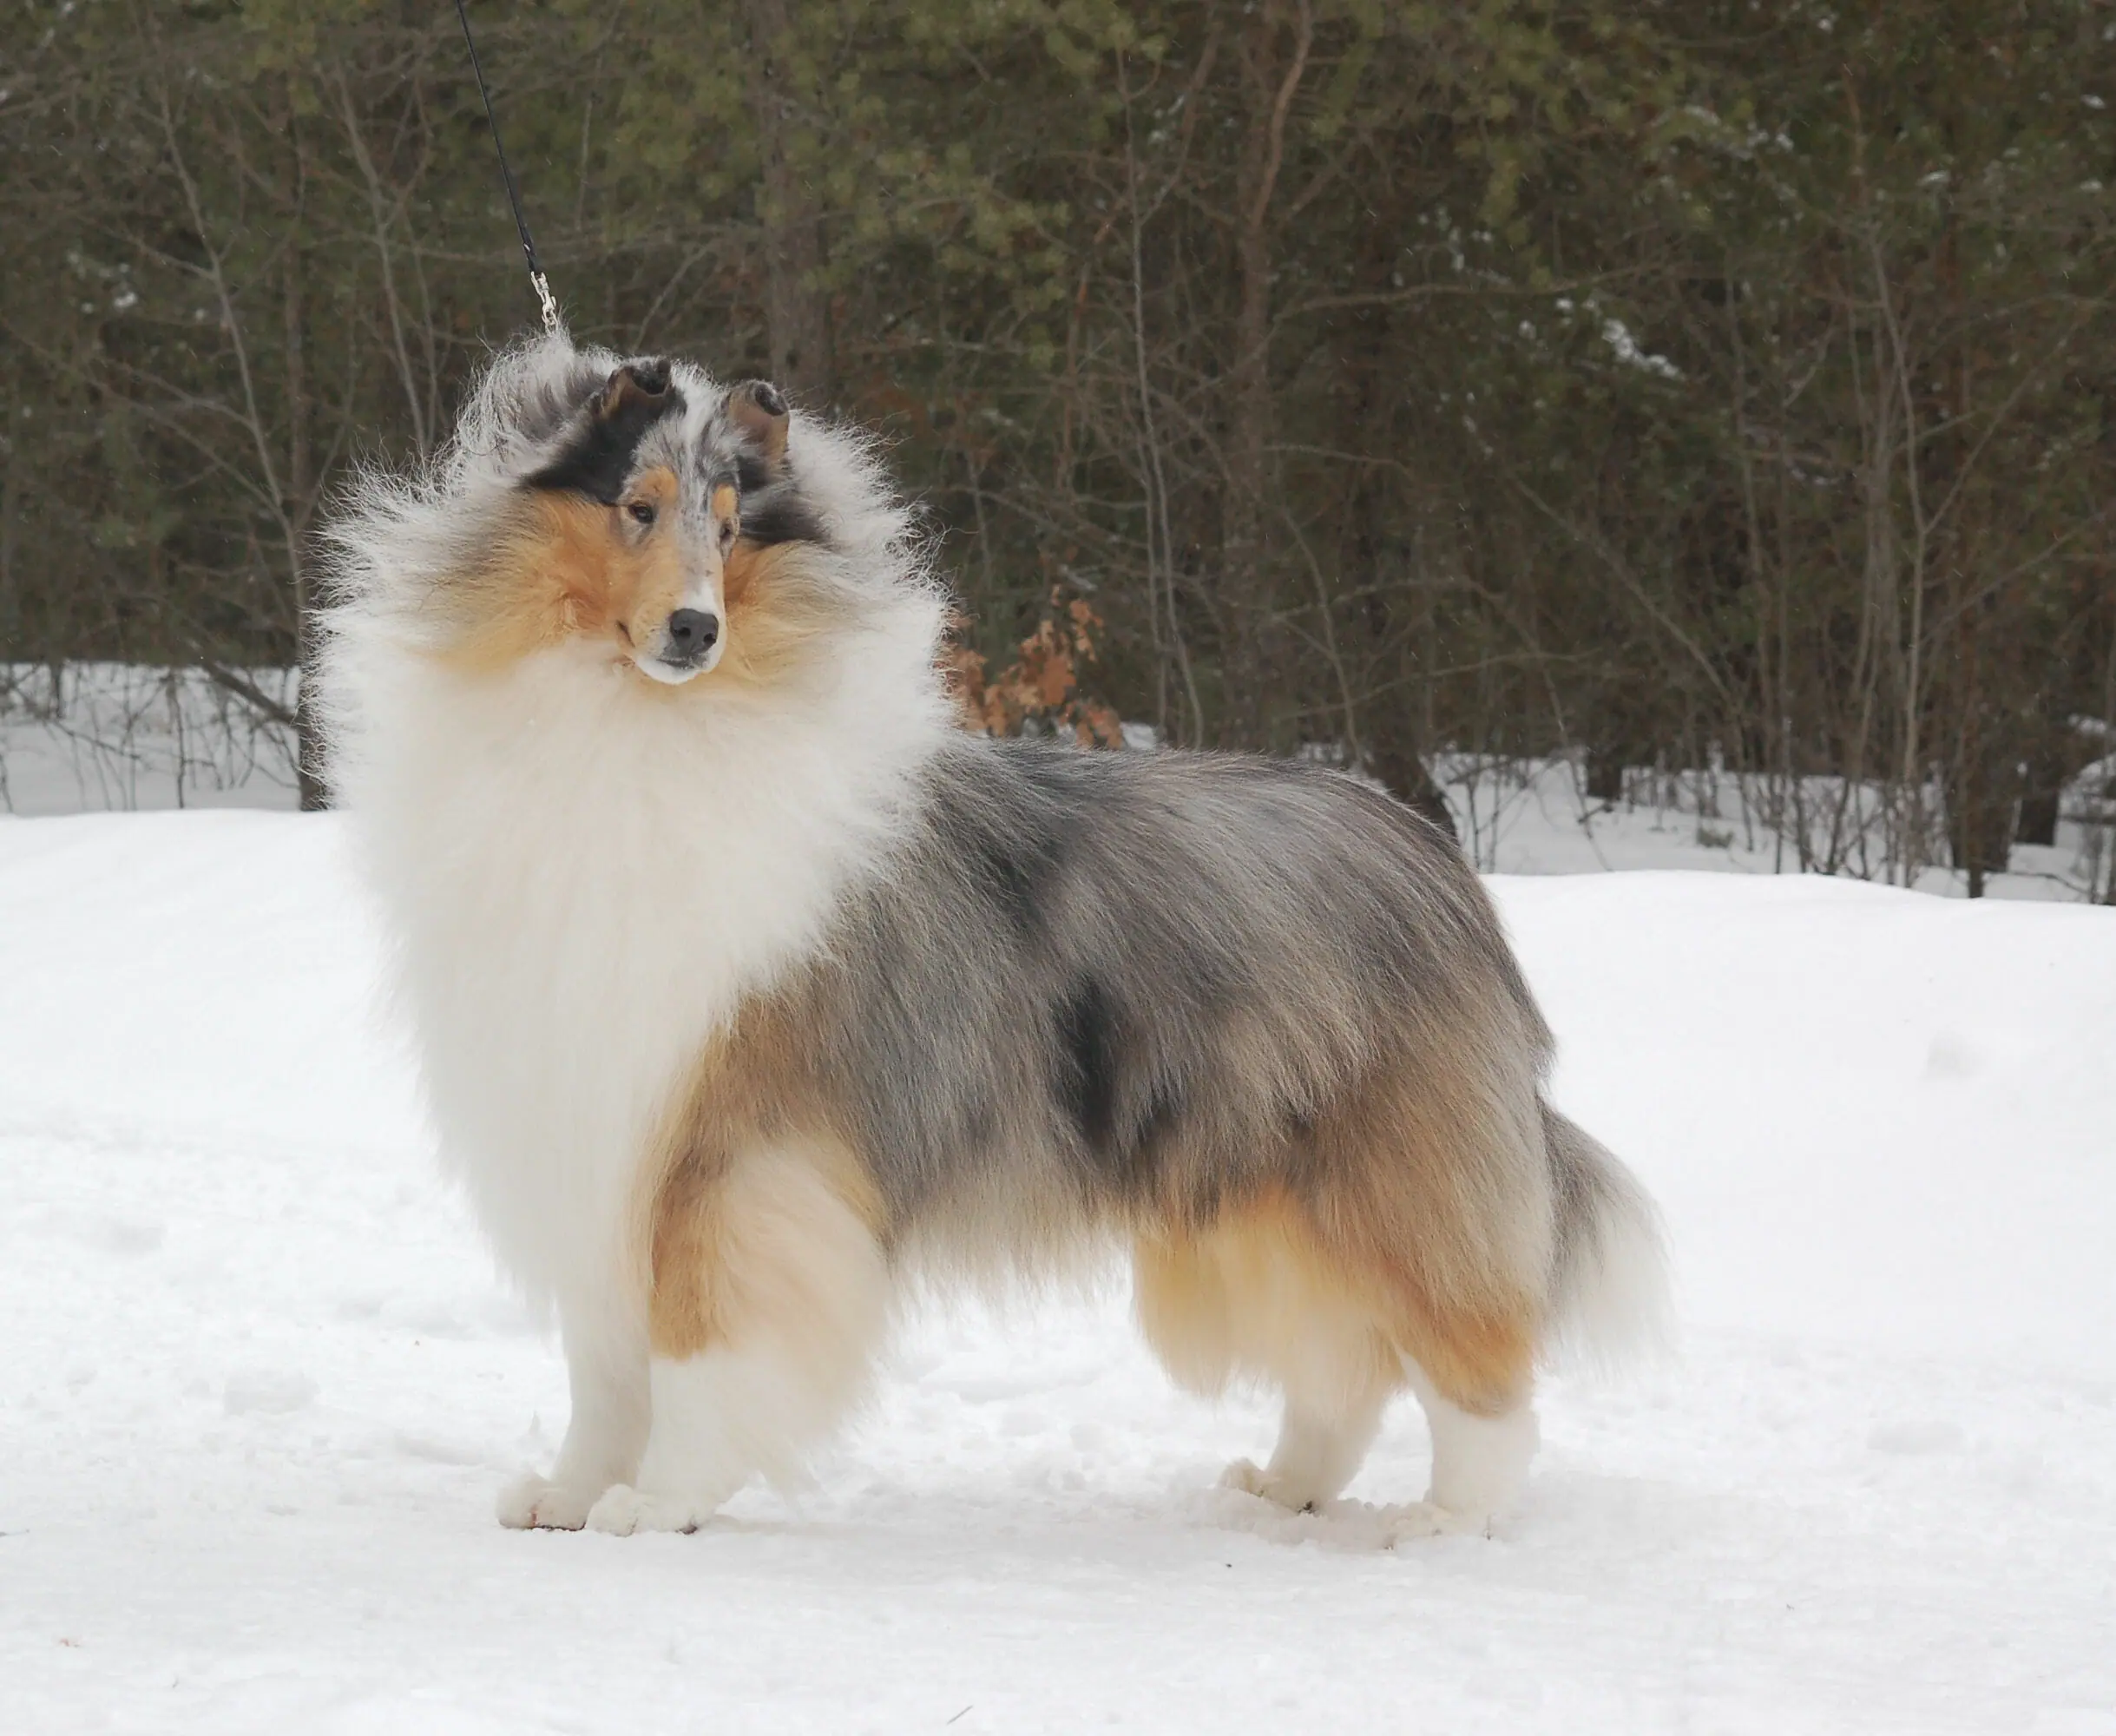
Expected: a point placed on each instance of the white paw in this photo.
(1251, 1479)
(1424, 1519)
(623, 1509)
(533, 1502)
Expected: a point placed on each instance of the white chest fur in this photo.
(584, 880)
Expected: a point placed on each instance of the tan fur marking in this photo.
(752, 1168)
(757, 1252)
(777, 612)
(1326, 1311)
(566, 565)
(1256, 1295)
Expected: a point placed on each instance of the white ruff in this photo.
(585, 877)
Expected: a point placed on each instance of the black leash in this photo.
(529, 247)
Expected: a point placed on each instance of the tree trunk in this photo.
(2038, 821)
(796, 309)
(1271, 69)
(12, 648)
(1981, 786)
(1604, 772)
(2051, 759)
(1391, 761)
(300, 497)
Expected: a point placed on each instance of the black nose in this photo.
(691, 633)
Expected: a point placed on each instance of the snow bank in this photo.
(85, 738)
(260, 1384)
(121, 737)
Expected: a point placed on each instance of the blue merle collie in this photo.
(748, 988)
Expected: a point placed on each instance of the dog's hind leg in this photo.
(1480, 1461)
(770, 1294)
(1252, 1296)
(1320, 1450)
(606, 1366)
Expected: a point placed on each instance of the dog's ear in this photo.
(636, 389)
(597, 451)
(758, 409)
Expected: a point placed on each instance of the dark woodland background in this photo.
(1670, 382)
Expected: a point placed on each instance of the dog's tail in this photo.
(1610, 1302)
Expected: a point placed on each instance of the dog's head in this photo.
(656, 486)
(696, 538)
(638, 503)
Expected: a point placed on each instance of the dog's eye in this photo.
(641, 511)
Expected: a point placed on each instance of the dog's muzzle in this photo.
(690, 644)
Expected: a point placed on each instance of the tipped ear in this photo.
(635, 387)
(758, 409)
(597, 451)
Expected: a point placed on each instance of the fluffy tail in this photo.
(1610, 1302)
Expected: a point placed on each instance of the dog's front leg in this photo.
(771, 1293)
(606, 1366)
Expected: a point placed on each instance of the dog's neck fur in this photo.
(589, 876)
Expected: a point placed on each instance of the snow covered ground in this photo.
(259, 1384)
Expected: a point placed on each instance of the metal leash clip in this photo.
(537, 281)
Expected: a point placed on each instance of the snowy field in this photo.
(260, 1384)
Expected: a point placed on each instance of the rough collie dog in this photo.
(747, 986)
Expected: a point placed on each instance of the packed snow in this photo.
(260, 1383)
